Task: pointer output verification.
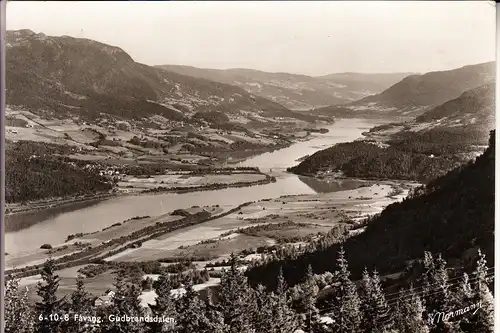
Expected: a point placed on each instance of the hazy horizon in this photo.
(307, 38)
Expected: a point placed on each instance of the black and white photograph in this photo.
(249, 166)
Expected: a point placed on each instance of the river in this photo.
(52, 226)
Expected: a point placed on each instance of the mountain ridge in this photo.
(67, 74)
(295, 91)
(415, 94)
(469, 116)
(421, 149)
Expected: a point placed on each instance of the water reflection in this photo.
(331, 185)
(24, 220)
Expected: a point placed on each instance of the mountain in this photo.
(297, 91)
(368, 81)
(421, 149)
(415, 94)
(451, 215)
(474, 108)
(468, 118)
(74, 76)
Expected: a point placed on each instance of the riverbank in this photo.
(250, 230)
(290, 219)
(116, 245)
(12, 209)
(327, 209)
(239, 158)
(128, 190)
(213, 187)
(294, 209)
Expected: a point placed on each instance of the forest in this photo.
(366, 160)
(35, 172)
(440, 142)
(409, 156)
(451, 215)
(22, 91)
(327, 303)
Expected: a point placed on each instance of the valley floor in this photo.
(289, 220)
(207, 235)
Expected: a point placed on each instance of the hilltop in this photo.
(91, 101)
(75, 76)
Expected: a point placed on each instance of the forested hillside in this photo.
(469, 117)
(367, 160)
(450, 215)
(34, 172)
(66, 76)
(326, 303)
(422, 149)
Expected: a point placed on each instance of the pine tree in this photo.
(263, 319)
(214, 318)
(50, 305)
(428, 265)
(134, 307)
(294, 294)
(80, 305)
(236, 299)
(482, 321)
(381, 320)
(441, 292)
(400, 312)
(284, 317)
(439, 298)
(346, 303)
(118, 307)
(18, 315)
(164, 304)
(125, 302)
(462, 297)
(481, 271)
(464, 293)
(281, 285)
(366, 307)
(308, 300)
(191, 312)
(409, 313)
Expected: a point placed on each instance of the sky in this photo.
(305, 37)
